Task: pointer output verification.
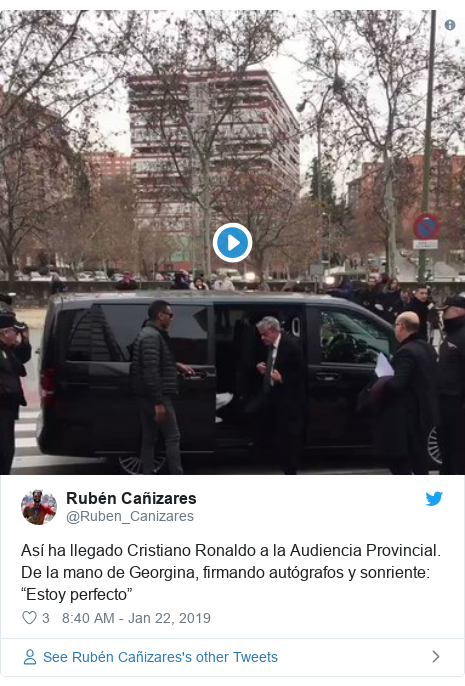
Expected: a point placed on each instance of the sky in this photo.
(285, 72)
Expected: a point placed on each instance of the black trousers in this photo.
(278, 429)
(150, 459)
(8, 416)
(450, 435)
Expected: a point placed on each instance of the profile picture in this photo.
(39, 507)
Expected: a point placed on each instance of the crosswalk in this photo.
(29, 459)
(27, 451)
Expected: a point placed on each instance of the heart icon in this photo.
(29, 617)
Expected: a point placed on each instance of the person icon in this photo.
(30, 658)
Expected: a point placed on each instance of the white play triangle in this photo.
(232, 243)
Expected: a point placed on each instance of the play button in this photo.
(233, 243)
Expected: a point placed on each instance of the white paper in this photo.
(383, 367)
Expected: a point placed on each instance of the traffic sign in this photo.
(426, 227)
(233, 243)
(425, 245)
(317, 269)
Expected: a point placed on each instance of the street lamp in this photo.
(428, 139)
(319, 113)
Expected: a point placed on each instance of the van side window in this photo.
(351, 338)
(188, 331)
(78, 327)
(106, 333)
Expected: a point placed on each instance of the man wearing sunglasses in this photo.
(15, 351)
(154, 381)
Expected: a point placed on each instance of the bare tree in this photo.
(375, 63)
(98, 226)
(156, 248)
(114, 210)
(35, 178)
(369, 220)
(279, 222)
(67, 61)
(56, 68)
(200, 114)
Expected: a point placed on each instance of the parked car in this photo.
(101, 276)
(87, 408)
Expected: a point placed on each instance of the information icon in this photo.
(450, 24)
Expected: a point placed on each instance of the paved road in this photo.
(29, 460)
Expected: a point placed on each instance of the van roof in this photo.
(78, 300)
(74, 301)
(191, 296)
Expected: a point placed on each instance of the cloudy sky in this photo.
(284, 69)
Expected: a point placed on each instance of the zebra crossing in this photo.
(29, 459)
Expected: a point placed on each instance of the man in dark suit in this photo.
(284, 375)
(424, 308)
(406, 408)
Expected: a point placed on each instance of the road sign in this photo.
(426, 227)
(317, 269)
(425, 245)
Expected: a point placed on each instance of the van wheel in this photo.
(132, 465)
(433, 449)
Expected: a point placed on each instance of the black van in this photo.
(87, 409)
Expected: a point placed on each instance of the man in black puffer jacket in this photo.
(154, 373)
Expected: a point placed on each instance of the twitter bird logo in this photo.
(433, 499)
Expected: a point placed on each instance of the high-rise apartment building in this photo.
(110, 165)
(246, 117)
(37, 176)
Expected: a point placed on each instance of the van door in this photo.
(344, 345)
(66, 421)
(114, 330)
(238, 350)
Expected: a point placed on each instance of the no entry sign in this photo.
(426, 227)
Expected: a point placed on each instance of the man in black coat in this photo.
(154, 381)
(421, 304)
(284, 375)
(15, 352)
(407, 411)
(370, 297)
(451, 387)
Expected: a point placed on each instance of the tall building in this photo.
(37, 174)
(245, 115)
(110, 165)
